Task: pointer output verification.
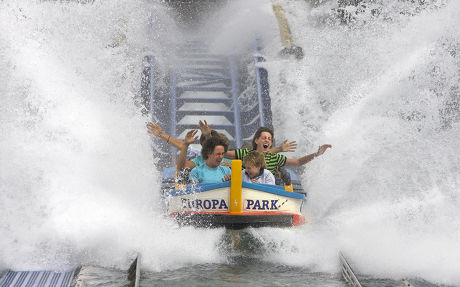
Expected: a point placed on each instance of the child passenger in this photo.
(255, 171)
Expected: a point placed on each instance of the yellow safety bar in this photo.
(178, 186)
(236, 198)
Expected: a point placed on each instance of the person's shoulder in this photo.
(267, 173)
(195, 174)
(195, 170)
(244, 176)
(269, 178)
(198, 161)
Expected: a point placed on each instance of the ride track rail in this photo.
(77, 277)
(347, 272)
(350, 276)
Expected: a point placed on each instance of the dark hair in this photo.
(259, 133)
(210, 144)
(257, 158)
(203, 138)
(225, 138)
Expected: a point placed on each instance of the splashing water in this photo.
(383, 90)
(78, 182)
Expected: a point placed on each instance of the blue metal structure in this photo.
(260, 114)
(204, 86)
(263, 89)
(37, 279)
(201, 86)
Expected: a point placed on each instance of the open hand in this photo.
(322, 149)
(227, 177)
(288, 146)
(190, 137)
(154, 129)
(205, 129)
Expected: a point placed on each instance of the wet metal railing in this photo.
(347, 272)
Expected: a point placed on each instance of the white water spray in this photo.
(77, 180)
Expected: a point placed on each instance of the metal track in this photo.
(347, 272)
(37, 278)
(134, 272)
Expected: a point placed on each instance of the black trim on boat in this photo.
(234, 221)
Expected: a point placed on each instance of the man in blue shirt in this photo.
(211, 171)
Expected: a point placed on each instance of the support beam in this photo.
(289, 48)
(134, 272)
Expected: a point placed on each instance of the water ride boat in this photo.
(234, 204)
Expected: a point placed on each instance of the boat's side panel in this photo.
(259, 201)
(215, 200)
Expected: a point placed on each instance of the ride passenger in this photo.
(206, 132)
(212, 171)
(255, 171)
(262, 142)
(190, 137)
(156, 130)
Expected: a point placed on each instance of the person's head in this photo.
(225, 139)
(214, 133)
(254, 162)
(263, 139)
(203, 138)
(213, 151)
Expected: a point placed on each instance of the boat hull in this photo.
(208, 205)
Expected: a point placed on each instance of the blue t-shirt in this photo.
(206, 174)
(198, 161)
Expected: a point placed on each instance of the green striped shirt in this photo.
(273, 160)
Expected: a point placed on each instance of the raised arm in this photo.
(284, 147)
(157, 131)
(182, 163)
(307, 158)
(231, 154)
